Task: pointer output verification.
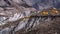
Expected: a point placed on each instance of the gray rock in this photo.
(3, 3)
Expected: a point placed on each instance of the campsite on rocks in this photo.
(29, 16)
